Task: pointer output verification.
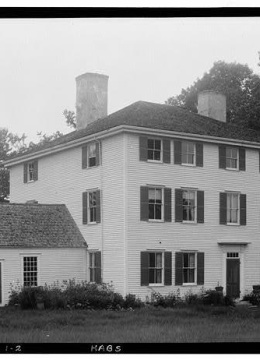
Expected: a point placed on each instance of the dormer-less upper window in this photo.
(90, 155)
(30, 172)
(154, 150)
(188, 153)
(231, 158)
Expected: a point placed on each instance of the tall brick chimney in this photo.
(91, 98)
(212, 104)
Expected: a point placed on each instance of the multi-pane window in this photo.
(92, 204)
(155, 268)
(189, 268)
(188, 152)
(231, 158)
(232, 208)
(189, 205)
(155, 204)
(154, 149)
(31, 171)
(30, 271)
(92, 154)
(92, 266)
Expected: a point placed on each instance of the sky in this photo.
(149, 59)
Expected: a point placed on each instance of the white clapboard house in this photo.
(165, 199)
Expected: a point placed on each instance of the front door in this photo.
(233, 278)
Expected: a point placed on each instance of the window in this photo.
(189, 205)
(188, 153)
(95, 267)
(232, 208)
(30, 171)
(30, 271)
(155, 268)
(90, 155)
(155, 204)
(231, 158)
(233, 255)
(92, 204)
(189, 269)
(154, 150)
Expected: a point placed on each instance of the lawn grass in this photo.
(189, 324)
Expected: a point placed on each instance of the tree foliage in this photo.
(240, 85)
(70, 118)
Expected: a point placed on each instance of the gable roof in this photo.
(38, 226)
(157, 116)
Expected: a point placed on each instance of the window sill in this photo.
(155, 221)
(189, 284)
(155, 161)
(189, 165)
(190, 222)
(92, 223)
(91, 167)
(232, 169)
(156, 285)
(31, 181)
(232, 224)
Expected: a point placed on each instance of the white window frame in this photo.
(38, 265)
(93, 268)
(94, 143)
(153, 149)
(89, 212)
(188, 153)
(195, 206)
(162, 204)
(162, 268)
(195, 267)
(232, 158)
(30, 171)
(229, 193)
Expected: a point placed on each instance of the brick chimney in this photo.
(212, 104)
(91, 98)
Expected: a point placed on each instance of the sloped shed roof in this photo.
(38, 225)
(158, 116)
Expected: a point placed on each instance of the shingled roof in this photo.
(38, 226)
(162, 117)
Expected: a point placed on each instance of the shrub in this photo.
(131, 301)
(253, 297)
(213, 297)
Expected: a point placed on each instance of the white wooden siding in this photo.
(202, 237)
(53, 265)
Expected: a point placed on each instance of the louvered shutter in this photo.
(242, 159)
(25, 173)
(167, 204)
(85, 208)
(222, 208)
(144, 203)
(178, 205)
(97, 153)
(84, 157)
(199, 154)
(242, 209)
(200, 207)
(35, 170)
(98, 267)
(177, 152)
(98, 207)
(200, 268)
(143, 148)
(144, 268)
(222, 157)
(178, 268)
(168, 268)
(166, 151)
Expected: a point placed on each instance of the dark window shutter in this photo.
(178, 268)
(166, 151)
(143, 148)
(168, 268)
(199, 154)
(200, 268)
(85, 208)
(168, 204)
(222, 157)
(222, 208)
(178, 206)
(84, 157)
(177, 152)
(200, 207)
(98, 207)
(1, 283)
(35, 170)
(25, 173)
(97, 153)
(259, 160)
(144, 203)
(242, 209)
(242, 159)
(98, 267)
(144, 268)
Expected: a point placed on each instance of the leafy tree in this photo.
(70, 118)
(240, 85)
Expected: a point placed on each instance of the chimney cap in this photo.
(89, 75)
